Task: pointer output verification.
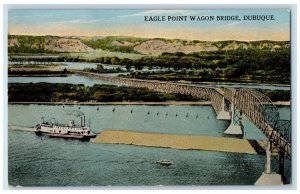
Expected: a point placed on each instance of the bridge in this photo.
(230, 104)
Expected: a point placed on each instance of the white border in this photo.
(213, 4)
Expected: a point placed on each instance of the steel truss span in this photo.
(254, 105)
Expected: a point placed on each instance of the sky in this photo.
(67, 22)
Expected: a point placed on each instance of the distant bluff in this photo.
(156, 46)
(46, 44)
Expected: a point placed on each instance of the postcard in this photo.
(139, 97)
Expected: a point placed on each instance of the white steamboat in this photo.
(71, 130)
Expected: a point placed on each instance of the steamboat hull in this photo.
(71, 130)
(67, 136)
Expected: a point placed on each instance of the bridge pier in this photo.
(257, 107)
(236, 126)
(223, 114)
(281, 163)
(268, 177)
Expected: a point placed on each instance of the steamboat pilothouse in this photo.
(71, 130)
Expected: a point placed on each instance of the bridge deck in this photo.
(220, 91)
(256, 106)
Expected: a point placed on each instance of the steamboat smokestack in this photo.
(81, 121)
(84, 121)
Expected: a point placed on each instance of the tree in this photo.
(128, 67)
(99, 67)
(65, 71)
(183, 71)
(114, 60)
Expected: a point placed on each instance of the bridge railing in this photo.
(284, 129)
(256, 106)
(264, 114)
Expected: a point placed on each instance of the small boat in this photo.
(164, 162)
(71, 130)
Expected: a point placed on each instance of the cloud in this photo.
(157, 12)
(147, 12)
(41, 15)
(232, 24)
(79, 21)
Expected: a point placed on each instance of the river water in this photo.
(76, 79)
(71, 79)
(44, 161)
(89, 81)
(64, 65)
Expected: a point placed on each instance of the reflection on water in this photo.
(79, 65)
(67, 65)
(140, 118)
(87, 81)
(44, 161)
(71, 79)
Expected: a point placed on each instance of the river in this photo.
(44, 161)
(76, 79)
(63, 65)
(89, 81)
(71, 79)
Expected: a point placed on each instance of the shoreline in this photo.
(74, 71)
(46, 75)
(238, 83)
(204, 103)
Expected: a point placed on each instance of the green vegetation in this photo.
(38, 72)
(93, 55)
(29, 44)
(241, 65)
(114, 43)
(100, 69)
(277, 95)
(235, 61)
(49, 92)
(35, 65)
(25, 44)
